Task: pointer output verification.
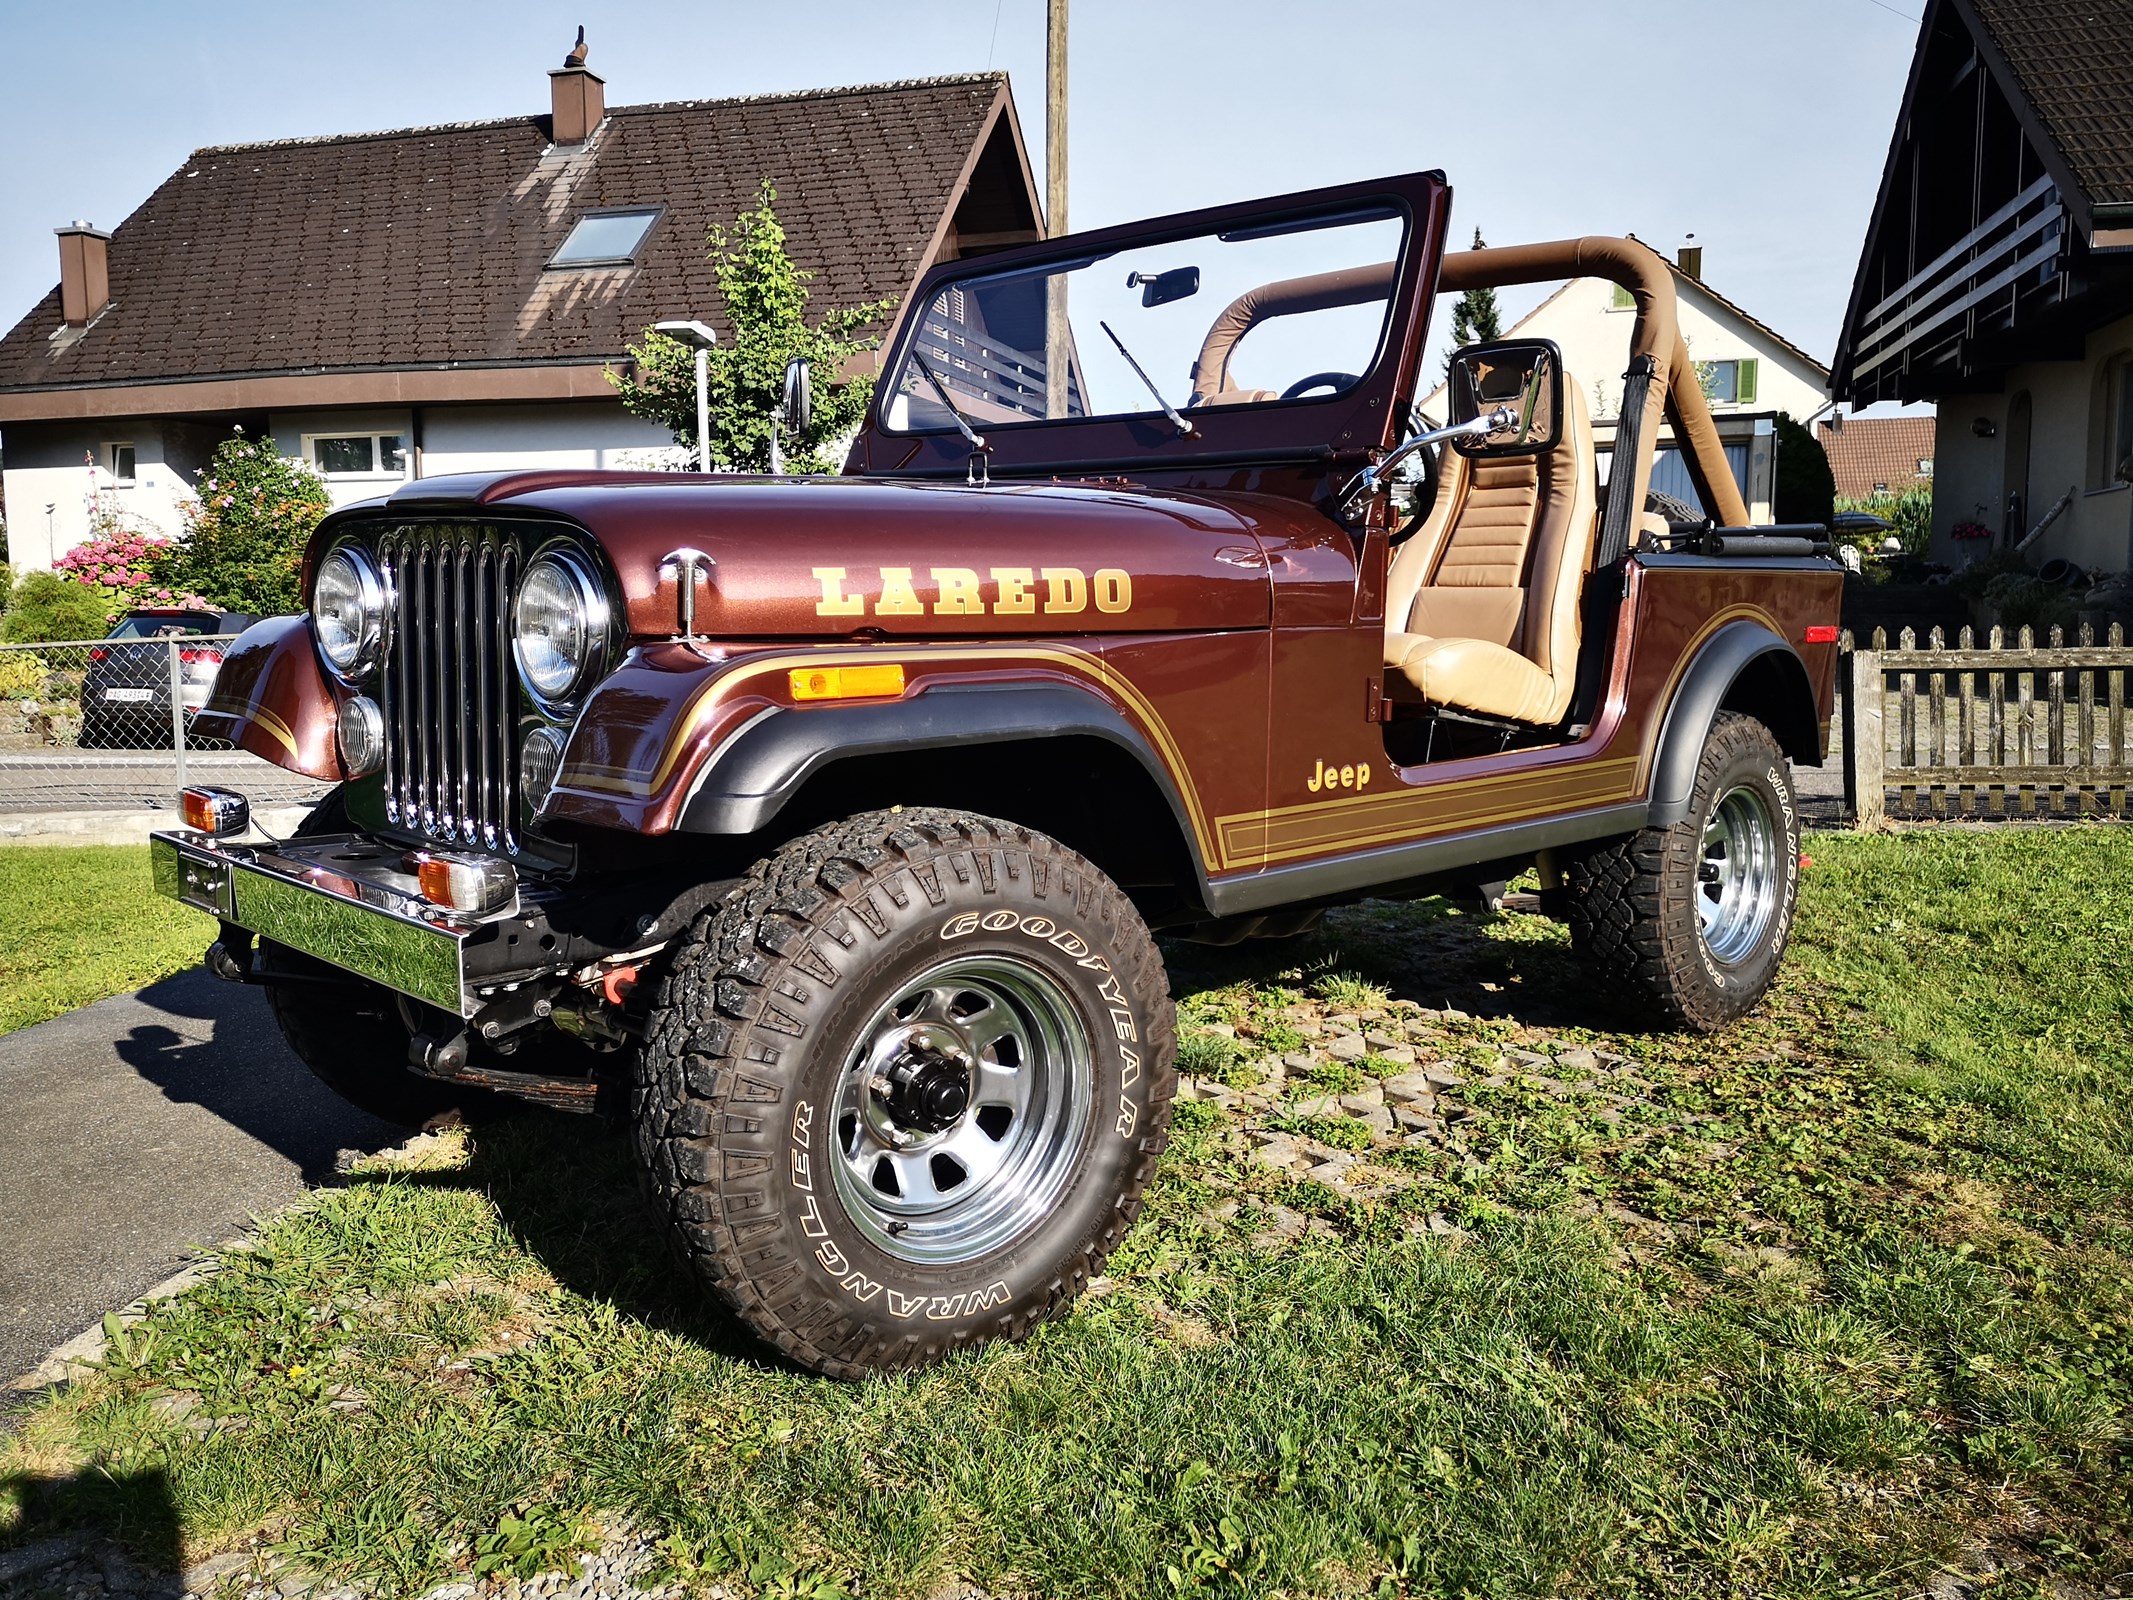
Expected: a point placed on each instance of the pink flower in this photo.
(109, 580)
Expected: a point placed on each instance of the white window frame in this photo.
(376, 474)
(111, 449)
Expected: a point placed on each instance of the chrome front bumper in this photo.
(344, 901)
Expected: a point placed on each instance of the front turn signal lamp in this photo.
(465, 885)
(216, 812)
(848, 683)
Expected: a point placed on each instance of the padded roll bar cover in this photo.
(1650, 281)
(1696, 704)
(747, 782)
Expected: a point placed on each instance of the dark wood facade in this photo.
(1989, 244)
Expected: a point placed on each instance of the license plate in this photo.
(131, 696)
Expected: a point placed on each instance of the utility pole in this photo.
(1057, 343)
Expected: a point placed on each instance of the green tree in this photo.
(243, 546)
(1908, 512)
(1476, 317)
(766, 304)
(1805, 489)
(46, 606)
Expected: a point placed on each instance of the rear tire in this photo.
(1692, 920)
(903, 1089)
(351, 1035)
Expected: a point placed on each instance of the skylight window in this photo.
(606, 238)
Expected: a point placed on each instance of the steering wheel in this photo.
(1425, 497)
(1319, 380)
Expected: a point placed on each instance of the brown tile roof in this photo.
(426, 247)
(2074, 62)
(1871, 450)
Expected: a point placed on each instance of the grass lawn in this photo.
(80, 923)
(1828, 1305)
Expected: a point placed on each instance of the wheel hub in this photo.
(963, 1109)
(925, 1091)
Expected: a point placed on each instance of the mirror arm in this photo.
(1368, 480)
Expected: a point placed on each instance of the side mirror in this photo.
(1160, 288)
(1519, 380)
(799, 401)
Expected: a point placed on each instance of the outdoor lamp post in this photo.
(700, 338)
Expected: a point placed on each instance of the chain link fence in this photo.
(103, 725)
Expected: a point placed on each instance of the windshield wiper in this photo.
(975, 440)
(1140, 372)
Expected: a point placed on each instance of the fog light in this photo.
(362, 731)
(538, 764)
(219, 812)
(473, 886)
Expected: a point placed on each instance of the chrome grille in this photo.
(450, 690)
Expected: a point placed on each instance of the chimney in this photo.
(578, 100)
(84, 276)
(1690, 260)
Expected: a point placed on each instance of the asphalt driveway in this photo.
(136, 1128)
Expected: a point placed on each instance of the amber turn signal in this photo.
(847, 683)
(219, 812)
(472, 886)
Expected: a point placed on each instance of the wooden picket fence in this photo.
(2009, 728)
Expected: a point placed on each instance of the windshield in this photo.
(1282, 312)
(161, 627)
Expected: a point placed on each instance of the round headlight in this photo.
(559, 625)
(362, 731)
(538, 764)
(348, 611)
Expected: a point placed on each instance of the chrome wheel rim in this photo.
(960, 1111)
(1740, 878)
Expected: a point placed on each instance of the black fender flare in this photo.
(749, 779)
(1717, 666)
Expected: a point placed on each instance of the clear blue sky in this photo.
(1761, 128)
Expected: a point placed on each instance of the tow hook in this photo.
(226, 964)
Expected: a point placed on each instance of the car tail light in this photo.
(1823, 634)
(99, 653)
(218, 812)
(189, 656)
(471, 885)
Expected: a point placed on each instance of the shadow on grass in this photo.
(1514, 967)
(137, 1542)
(566, 1185)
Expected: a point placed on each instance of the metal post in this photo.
(1865, 782)
(703, 409)
(177, 706)
(1055, 204)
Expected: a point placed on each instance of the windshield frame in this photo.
(1339, 426)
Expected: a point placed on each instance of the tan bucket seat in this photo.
(1482, 613)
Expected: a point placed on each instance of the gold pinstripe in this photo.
(1379, 819)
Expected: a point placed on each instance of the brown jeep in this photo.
(833, 817)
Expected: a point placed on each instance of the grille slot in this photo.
(450, 694)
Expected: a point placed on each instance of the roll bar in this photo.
(1661, 379)
(1660, 374)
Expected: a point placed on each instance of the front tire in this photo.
(903, 1089)
(1692, 920)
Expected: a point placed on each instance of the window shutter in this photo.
(1746, 391)
(1624, 300)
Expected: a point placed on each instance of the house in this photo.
(430, 300)
(1877, 455)
(1997, 273)
(1750, 372)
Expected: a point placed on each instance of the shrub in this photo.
(1909, 514)
(21, 675)
(243, 548)
(48, 607)
(1805, 489)
(2026, 602)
